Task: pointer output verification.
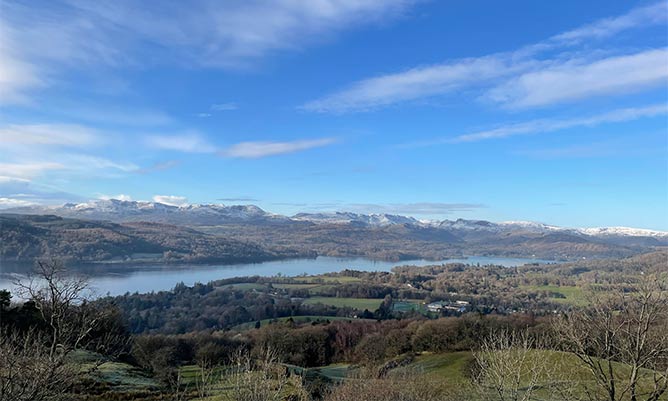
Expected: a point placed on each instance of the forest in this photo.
(591, 330)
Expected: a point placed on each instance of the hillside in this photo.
(378, 236)
(24, 237)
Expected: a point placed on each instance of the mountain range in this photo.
(216, 214)
(108, 229)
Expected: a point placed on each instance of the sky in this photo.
(555, 112)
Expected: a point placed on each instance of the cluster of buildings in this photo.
(457, 306)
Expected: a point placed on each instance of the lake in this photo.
(116, 279)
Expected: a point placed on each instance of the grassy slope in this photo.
(571, 295)
(307, 319)
(357, 303)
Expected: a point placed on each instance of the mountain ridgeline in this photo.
(114, 230)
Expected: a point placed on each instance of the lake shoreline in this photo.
(144, 278)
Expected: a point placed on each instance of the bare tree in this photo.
(28, 372)
(402, 384)
(206, 377)
(264, 379)
(35, 365)
(510, 367)
(57, 297)
(623, 342)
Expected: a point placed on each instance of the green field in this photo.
(571, 295)
(245, 286)
(357, 303)
(328, 279)
(300, 319)
(407, 305)
(450, 371)
(312, 288)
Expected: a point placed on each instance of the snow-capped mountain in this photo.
(379, 220)
(216, 214)
(623, 231)
(473, 227)
(128, 211)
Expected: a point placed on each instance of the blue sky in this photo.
(518, 110)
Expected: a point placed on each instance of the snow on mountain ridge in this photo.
(623, 231)
(203, 213)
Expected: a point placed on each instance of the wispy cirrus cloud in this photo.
(653, 14)
(28, 169)
(189, 142)
(67, 135)
(548, 125)
(159, 166)
(17, 192)
(225, 34)
(229, 106)
(193, 142)
(255, 150)
(579, 79)
(419, 82)
(33, 150)
(500, 77)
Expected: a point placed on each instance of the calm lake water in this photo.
(118, 279)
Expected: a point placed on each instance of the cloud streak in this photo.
(416, 83)
(551, 125)
(255, 150)
(540, 126)
(506, 78)
(229, 106)
(578, 79)
(653, 14)
(49, 134)
(188, 142)
(33, 150)
(200, 33)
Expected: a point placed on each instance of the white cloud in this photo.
(576, 79)
(72, 164)
(188, 142)
(10, 202)
(16, 76)
(491, 70)
(416, 83)
(254, 150)
(224, 106)
(550, 125)
(49, 134)
(20, 192)
(654, 14)
(87, 163)
(33, 150)
(121, 197)
(28, 170)
(171, 200)
(228, 34)
(158, 166)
